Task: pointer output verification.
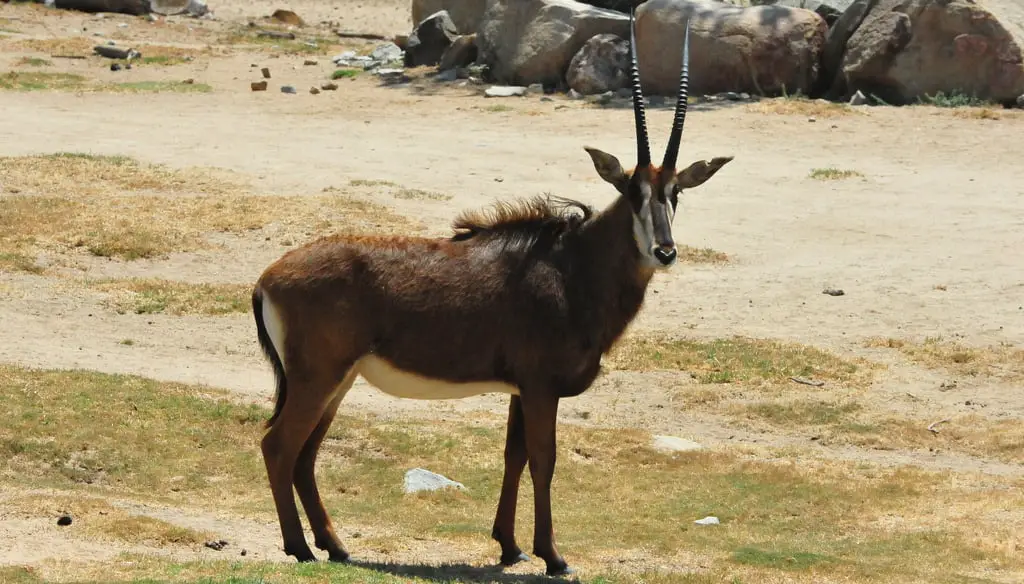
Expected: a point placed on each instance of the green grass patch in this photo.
(954, 99)
(345, 74)
(39, 81)
(34, 62)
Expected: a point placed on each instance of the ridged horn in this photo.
(672, 151)
(643, 146)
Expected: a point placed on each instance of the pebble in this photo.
(418, 479)
(329, 86)
(258, 85)
(314, 90)
(505, 91)
(266, 72)
(64, 520)
(709, 520)
(288, 89)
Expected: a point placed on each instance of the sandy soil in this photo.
(926, 243)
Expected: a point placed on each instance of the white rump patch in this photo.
(275, 327)
(394, 381)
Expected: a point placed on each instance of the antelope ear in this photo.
(609, 168)
(699, 172)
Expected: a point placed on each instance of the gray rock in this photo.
(344, 57)
(573, 94)
(761, 49)
(386, 53)
(288, 89)
(858, 99)
(601, 64)
(905, 50)
(709, 520)
(392, 76)
(466, 14)
(1020, 101)
(505, 91)
(829, 79)
(533, 41)
(430, 40)
(419, 479)
(827, 9)
(674, 444)
(447, 75)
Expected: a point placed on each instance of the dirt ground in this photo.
(925, 240)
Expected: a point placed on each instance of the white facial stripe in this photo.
(668, 204)
(643, 223)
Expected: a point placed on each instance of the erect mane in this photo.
(524, 222)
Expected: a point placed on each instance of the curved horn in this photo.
(672, 151)
(643, 146)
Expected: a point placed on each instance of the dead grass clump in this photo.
(734, 360)
(799, 106)
(34, 62)
(19, 262)
(96, 518)
(799, 412)
(834, 174)
(157, 87)
(156, 296)
(934, 352)
(701, 255)
(55, 46)
(421, 195)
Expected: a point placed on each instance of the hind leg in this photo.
(302, 411)
(320, 523)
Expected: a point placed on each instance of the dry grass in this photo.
(798, 106)
(55, 46)
(780, 521)
(735, 360)
(834, 174)
(379, 186)
(982, 113)
(250, 39)
(157, 86)
(19, 262)
(95, 518)
(701, 255)
(156, 296)
(843, 421)
(117, 207)
(997, 361)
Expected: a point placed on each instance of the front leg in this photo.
(515, 462)
(540, 414)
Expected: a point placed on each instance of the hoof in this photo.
(303, 556)
(562, 571)
(339, 558)
(513, 559)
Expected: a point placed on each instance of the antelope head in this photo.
(653, 191)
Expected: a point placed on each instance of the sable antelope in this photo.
(523, 299)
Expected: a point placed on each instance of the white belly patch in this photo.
(394, 381)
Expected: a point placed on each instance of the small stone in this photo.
(709, 520)
(744, 96)
(858, 98)
(189, 81)
(115, 66)
(546, 98)
(419, 479)
(258, 85)
(314, 90)
(812, 119)
(310, 62)
(329, 86)
(732, 96)
(505, 91)
(64, 520)
(573, 94)
(152, 17)
(266, 72)
(288, 89)
(1020, 101)
(216, 545)
(833, 291)
(243, 552)
(535, 88)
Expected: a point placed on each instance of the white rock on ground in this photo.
(674, 444)
(709, 520)
(419, 479)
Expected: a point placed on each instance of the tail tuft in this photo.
(271, 353)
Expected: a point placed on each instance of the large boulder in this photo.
(430, 40)
(908, 49)
(830, 10)
(601, 65)
(767, 50)
(835, 47)
(533, 41)
(466, 14)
